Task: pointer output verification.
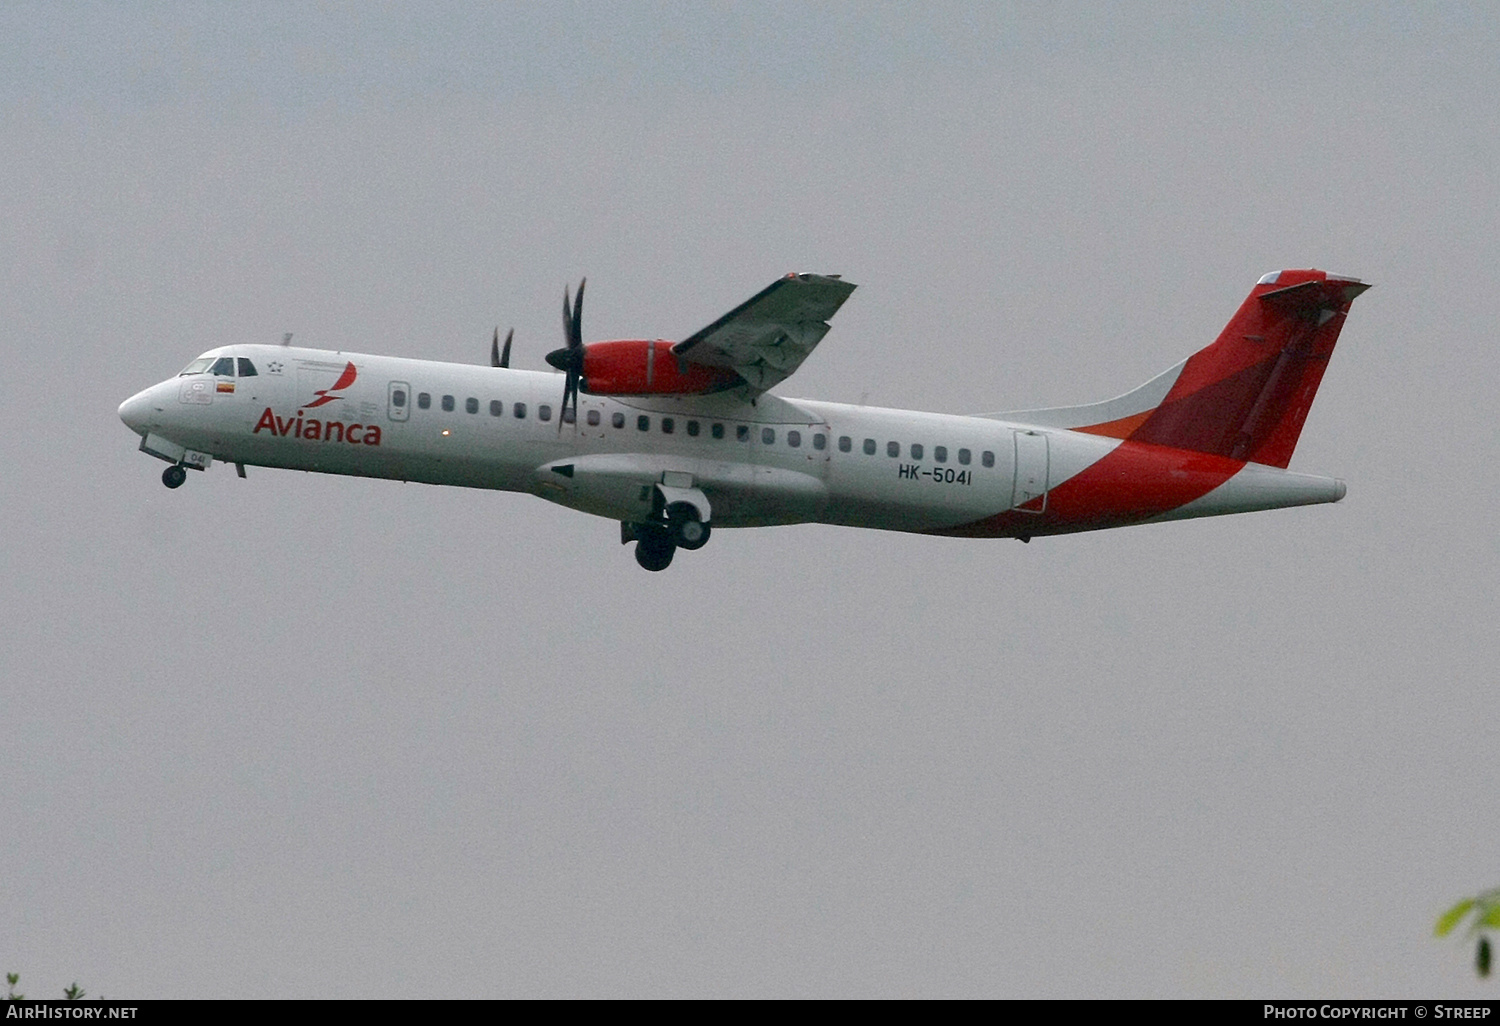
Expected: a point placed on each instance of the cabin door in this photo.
(1029, 492)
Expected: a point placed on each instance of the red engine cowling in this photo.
(641, 367)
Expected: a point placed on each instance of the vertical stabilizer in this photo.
(1244, 397)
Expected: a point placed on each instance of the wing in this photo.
(768, 336)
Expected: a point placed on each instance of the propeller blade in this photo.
(570, 388)
(567, 319)
(495, 348)
(505, 353)
(575, 335)
(569, 359)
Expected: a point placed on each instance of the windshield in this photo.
(198, 366)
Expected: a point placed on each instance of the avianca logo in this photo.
(310, 430)
(345, 380)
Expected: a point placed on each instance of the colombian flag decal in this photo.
(225, 386)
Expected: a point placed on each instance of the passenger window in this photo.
(741, 432)
(893, 449)
(643, 423)
(940, 453)
(767, 436)
(988, 458)
(424, 400)
(497, 408)
(717, 430)
(593, 418)
(224, 367)
(447, 404)
(869, 447)
(820, 441)
(398, 398)
(247, 369)
(471, 404)
(963, 456)
(693, 427)
(519, 410)
(916, 450)
(668, 425)
(845, 443)
(543, 412)
(569, 415)
(617, 419)
(794, 439)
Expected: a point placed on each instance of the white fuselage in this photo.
(770, 461)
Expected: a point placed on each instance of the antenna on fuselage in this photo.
(286, 339)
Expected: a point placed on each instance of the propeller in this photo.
(569, 359)
(498, 358)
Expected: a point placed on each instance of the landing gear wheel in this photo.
(173, 476)
(655, 549)
(691, 534)
(686, 529)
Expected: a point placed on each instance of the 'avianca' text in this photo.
(317, 430)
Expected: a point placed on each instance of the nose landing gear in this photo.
(173, 476)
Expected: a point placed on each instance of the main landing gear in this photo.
(173, 476)
(654, 547)
(656, 543)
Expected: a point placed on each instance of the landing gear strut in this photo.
(173, 476)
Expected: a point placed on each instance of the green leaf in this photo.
(1449, 919)
(1489, 915)
(1482, 957)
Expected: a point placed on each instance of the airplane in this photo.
(674, 440)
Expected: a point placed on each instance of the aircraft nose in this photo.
(135, 411)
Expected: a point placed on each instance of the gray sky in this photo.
(313, 736)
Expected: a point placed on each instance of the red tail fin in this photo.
(1246, 396)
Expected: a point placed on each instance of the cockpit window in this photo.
(247, 369)
(198, 366)
(223, 367)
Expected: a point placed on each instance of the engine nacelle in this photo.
(642, 367)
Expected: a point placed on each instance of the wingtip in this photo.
(812, 277)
